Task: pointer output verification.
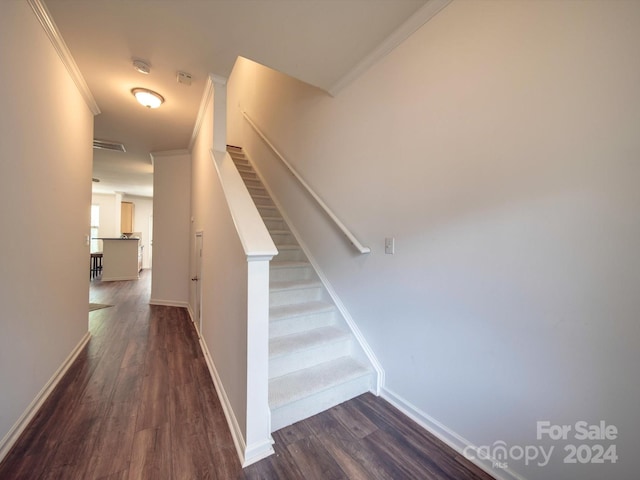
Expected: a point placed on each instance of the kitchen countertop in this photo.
(116, 238)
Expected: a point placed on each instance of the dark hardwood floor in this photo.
(139, 403)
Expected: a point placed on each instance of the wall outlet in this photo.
(389, 245)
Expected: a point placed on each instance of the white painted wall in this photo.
(499, 145)
(107, 203)
(171, 235)
(46, 132)
(142, 211)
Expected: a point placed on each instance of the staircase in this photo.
(315, 362)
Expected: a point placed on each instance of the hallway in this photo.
(139, 403)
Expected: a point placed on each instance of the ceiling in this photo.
(317, 41)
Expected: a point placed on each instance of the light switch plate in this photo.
(389, 245)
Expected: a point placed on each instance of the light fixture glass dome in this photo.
(147, 98)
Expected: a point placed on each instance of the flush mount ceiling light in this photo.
(147, 98)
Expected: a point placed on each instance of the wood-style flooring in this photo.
(139, 403)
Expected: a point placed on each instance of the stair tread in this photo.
(298, 309)
(303, 383)
(280, 285)
(294, 342)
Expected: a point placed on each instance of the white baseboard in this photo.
(168, 303)
(247, 455)
(255, 453)
(119, 279)
(12, 436)
(445, 434)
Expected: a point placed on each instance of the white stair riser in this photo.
(275, 224)
(282, 238)
(263, 201)
(298, 295)
(291, 273)
(247, 175)
(301, 323)
(319, 402)
(258, 191)
(290, 254)
(304, 358)
(267, 211)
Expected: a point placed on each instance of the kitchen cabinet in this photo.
(127, 210)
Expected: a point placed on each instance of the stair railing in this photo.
(354, 241)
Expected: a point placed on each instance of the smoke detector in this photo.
(141, 66)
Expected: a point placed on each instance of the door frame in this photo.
(197, 278)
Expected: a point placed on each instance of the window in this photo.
(95, 225)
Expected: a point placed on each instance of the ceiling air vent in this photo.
(105, 145)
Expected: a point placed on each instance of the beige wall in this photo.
(46, 133)
(499, 145)
(107, 203)
(171, 242)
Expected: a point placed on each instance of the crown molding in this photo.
(206, 96)
(167, 153)
(404, 31)
(49, 26)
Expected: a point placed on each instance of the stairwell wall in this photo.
(224, 283)
(499, 146)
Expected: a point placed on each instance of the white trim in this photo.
(14, 433)
(259, 451)
(50, 28)
(169, 303)
(236, 432)
(254, 236)
(167, 153)
(380, 374)
(258, 424)
(404, 31)
(368, 351)
(446, 435)
(218, 79)
(204, 103)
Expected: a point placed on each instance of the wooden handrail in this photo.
(354, 241)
